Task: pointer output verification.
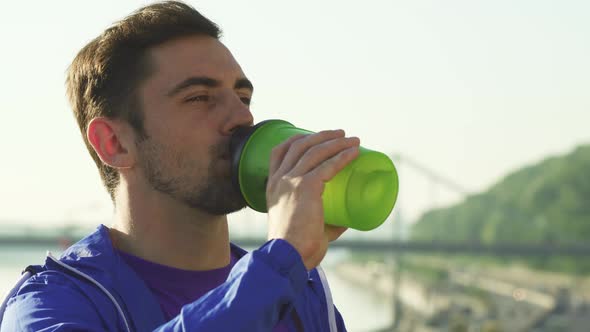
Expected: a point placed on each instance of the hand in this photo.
(298, 171)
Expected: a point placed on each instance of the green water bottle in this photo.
(361, 196)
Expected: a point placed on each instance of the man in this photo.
(157, 97)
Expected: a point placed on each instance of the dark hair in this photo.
(102, 80)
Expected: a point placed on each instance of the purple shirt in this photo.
(173, 288)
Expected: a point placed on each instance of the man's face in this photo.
(195, 97)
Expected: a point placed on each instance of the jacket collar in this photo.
(95, 256)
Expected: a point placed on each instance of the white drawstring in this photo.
(96, 283)
(329, 301)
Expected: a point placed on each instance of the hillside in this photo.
(546, 202)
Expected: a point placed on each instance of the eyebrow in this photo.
(241, 83)
(244, 83)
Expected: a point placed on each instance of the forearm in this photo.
(260, 289)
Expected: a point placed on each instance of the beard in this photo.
(204, 187)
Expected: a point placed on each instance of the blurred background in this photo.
(482, 105)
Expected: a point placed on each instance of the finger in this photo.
(329, 168)
(317, 154)
(279, 151)
(298, 148)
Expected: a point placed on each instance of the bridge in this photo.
(357, 241)
(359, 245)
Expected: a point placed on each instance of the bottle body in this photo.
(361, 196)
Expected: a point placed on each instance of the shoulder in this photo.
(52, 298)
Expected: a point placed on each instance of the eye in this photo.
(197, 99)
(246, 100)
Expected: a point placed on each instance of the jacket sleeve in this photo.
(259, 290)
(339, 321)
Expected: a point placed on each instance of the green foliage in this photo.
(545, 203)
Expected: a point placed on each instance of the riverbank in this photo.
(464, 298)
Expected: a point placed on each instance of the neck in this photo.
(157, 228)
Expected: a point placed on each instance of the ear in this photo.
(112, 141)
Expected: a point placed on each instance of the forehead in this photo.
(183, 57)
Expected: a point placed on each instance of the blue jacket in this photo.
(90, 288)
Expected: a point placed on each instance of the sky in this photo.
(471, 90)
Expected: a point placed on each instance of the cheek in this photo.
(175, 135)
(202, 134)
(193, 135)
(196, 146)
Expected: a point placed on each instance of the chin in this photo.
(218, 197)
(222, 210)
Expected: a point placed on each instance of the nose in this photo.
(239, 116)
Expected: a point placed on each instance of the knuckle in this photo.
(277, 149)
(314, 149)
(292, 140)
(345, 142)
(312, 181)
(284, 145)
(287, 179)
(295, 181)
(298, 145)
